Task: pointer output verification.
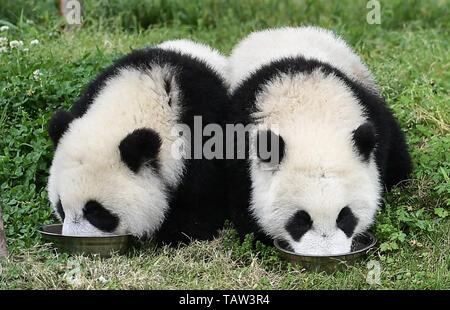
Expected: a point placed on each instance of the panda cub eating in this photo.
(114, 171)
(316, 108)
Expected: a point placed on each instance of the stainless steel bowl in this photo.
(361, 245)
(103, 246)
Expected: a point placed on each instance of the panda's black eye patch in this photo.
(347, 221)
(99, 217)
(140, 147)
(60, 210)
(270, 147)
(298, 224)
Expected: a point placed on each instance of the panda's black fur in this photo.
(197, 205)
(392, 157)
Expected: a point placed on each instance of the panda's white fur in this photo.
(263, 47)
(87, 163)
(316, 114)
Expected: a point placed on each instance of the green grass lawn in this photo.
(408, 54)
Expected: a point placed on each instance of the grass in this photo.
(407, 52)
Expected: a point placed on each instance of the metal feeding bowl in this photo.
(360, 247)
(103, 246)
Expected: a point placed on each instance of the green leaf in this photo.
(6, 23)
(444, 173)
(441, 212)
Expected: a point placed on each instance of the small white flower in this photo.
(37, 74)
(34, 42)
(3, 49)
(107, 43)
(26, 49)
(4, 28)
(30, 22)
(3, 41)
(102, 279)
(15, 43)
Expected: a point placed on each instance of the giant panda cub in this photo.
(114, 169)
(331, 145)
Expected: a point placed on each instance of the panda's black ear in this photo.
(364, 138)
(140, 147)
(58, 125)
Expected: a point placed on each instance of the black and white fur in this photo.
(339, 143)
(113, 169)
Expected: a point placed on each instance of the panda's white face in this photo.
(326, 187)
(317, 210)
(113, 167)
(94, 198)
